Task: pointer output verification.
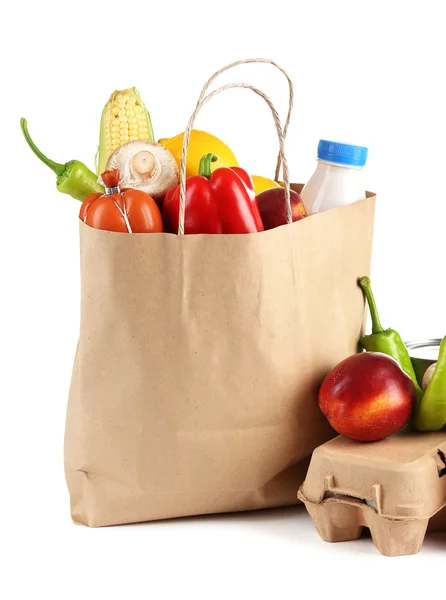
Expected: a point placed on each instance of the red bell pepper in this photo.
(221, 202)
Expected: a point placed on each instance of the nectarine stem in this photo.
(366, 287)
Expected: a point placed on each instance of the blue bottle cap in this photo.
(342, 154)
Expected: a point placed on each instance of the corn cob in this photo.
(124, 118)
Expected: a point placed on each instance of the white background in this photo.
(367, 72)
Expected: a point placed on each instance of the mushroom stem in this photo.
(144, 163)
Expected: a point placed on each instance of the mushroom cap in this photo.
(145, 166)
(428, 376)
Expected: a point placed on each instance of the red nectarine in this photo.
(273, 210)
(367, 397)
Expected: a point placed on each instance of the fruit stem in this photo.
(204, 168)
(58, 168)
(366, 287)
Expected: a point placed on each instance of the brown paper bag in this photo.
(195, 381)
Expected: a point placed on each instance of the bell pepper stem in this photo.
(366, 287)
(204, 168)
(56, 167)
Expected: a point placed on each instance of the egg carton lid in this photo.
(402, 477)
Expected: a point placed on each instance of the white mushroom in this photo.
(145, 166)
(428, 376)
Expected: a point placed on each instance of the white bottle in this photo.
(338, 179)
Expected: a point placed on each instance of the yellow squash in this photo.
(201, 143)
(263, 183)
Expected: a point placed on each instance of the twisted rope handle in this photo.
(280, 134)
(264, 61)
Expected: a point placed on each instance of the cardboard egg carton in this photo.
(396, 488)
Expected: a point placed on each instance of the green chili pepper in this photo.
(73, 178)
(387, 341)
(431, 414)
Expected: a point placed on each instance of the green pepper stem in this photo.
(366, 287)
(56, 167)
(204, 168)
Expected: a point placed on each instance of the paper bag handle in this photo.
(280, 135)
(264, 61)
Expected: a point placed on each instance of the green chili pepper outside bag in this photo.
(387, 341)
(73, 177)
(431, 414)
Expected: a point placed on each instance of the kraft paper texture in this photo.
(195, 381)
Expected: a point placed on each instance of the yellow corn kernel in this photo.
(124, 118)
